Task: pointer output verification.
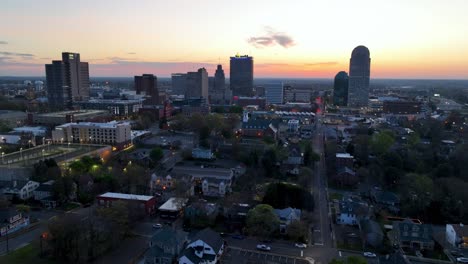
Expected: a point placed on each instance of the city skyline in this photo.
(298, 39)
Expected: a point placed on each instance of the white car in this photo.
(157, 226)
(300, 245)
(263, 247)
(462, 260)
(369, 255)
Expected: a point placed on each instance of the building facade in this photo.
(179, 82)
(117, 134)
(274, 93)
(67, 81)
(197, 84)
(340, 89)
(241, 75)
(115, 107)
(359, 76)
(146, 203)
(147, 84)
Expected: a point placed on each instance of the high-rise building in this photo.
(218, 92)
(274, 93)
(148, 84)
(67, 81)
(179, 83)
(340, 89)
(359, 75)
(197, 84)
(241, 75)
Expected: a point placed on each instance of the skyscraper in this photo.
(197, 84)
(218, 92)
(67, 81)
(359, 75)
(340, 89)
(148, 84)
(241, 75)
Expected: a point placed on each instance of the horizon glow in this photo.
(425, 39)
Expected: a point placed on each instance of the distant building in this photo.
(147, 84)
(115, 107)
(457, 235)
(197, 84)
(215, 182)
(344, 160)
(146, 203)
(165, 246)
(13, 118)
(173, 207)
(401, 107)
(179, 83)
(58, 118)
(117, 134)
(359, 76)
(340, 89)
(350, 212)
(67, 81)
(246, 101)
(241, 75)
(296, 95)
(218, 93)
(412, 236)
(274, 93)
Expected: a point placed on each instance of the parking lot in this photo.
(243, 256)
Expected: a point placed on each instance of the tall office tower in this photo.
(241, 75)
(179, 83)
(274, 93)
(197, 84)
(359, 74)
(148, 84)
(340, 89)
(218, 93)
(67, 81)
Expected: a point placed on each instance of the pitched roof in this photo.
(168, 236)
(190, 254)
(346, 170)
(286, 212)
(256, 124)
(210, 237)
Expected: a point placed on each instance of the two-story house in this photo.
(205, 247)
(165, 246)
(413, 236)
(287, 216)
(350, 212)
(19, 189)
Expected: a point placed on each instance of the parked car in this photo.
(369, 255)
(238, 237)
(157, 226)
(263, 247)
(462, 260)
(300, 245)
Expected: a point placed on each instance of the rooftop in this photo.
(203, 172)
(125, 196)
(173, 204)
(73, 112)
(344, 155)
(112, 124)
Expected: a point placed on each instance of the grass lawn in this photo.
(26, 255)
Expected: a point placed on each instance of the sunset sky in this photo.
(294, 38)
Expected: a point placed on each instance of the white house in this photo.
(351, 212)
(287, 216)
(20, 189)
(457, 235)
(214, 187)
(205, 247)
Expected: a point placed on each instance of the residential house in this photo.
(206, 247)
(346, 176)
(165, 246)
(413, 236)
(457, 235)
(344, 160)
(350, 212)
(371, 233)
(201, 153)
(200, 213)
(215, 182)
(44, 194)
(287, 216)
(386, 199)
(19, 189)
(11, 221)
(295, 160)
(158, 183)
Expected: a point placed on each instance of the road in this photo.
(322, 243)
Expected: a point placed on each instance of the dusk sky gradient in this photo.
(295, 38)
